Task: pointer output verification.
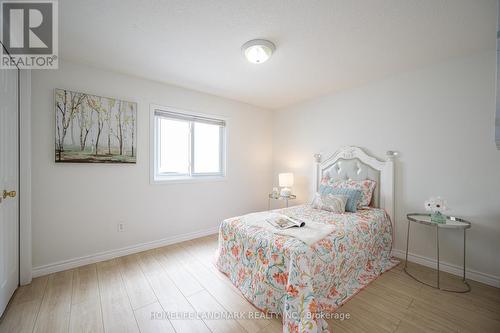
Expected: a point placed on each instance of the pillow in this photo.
(330, 202)
(353, 196)
(366, 187)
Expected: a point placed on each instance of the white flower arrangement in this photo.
(435, 205)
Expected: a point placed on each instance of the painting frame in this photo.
(94, 129)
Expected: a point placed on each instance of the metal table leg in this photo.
(464, 280)
(437, 243)
(464, 256)
(407, 242)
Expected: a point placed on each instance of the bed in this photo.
(306, 284)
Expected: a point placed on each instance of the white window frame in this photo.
(157, 178)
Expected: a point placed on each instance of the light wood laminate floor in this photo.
(120, 295)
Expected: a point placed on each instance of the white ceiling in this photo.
(322, 46)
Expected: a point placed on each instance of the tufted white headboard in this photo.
(353, 163)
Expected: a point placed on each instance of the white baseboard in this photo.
(106, 255)
(488, 279)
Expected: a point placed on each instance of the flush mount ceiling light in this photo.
(258, 51)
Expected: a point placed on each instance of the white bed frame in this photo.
(353, 163)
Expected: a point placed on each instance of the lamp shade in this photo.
(285, 179)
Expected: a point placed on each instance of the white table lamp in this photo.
(285, 181)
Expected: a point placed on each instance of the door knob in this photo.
(11, 194)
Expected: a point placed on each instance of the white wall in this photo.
(76, 207)
(441, 120)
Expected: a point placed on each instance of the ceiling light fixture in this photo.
(258, 51)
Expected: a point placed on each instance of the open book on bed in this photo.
(285, 222)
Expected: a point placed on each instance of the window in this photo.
(187, 146)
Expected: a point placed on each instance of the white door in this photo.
(9, 211)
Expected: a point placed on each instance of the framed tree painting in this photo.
(94, 129)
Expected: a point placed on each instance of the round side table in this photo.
(451, 223)
(279, 197)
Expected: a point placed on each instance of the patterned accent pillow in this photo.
(353, 196)
(330, 202)
(366, 187)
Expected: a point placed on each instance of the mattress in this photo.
(306, 284)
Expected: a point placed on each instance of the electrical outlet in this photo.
(121, 227)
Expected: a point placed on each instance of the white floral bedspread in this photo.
(283, 275)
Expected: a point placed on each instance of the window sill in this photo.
(158, 180)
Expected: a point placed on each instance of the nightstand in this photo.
(279, 197)
(452, 223)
